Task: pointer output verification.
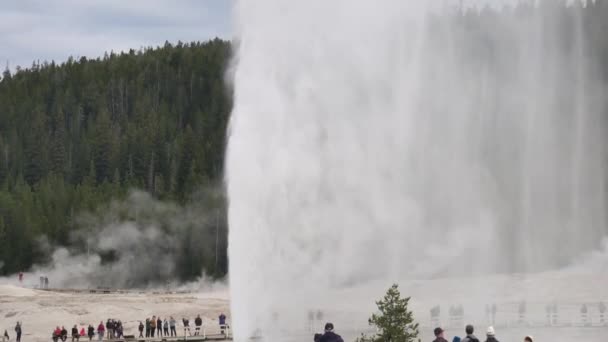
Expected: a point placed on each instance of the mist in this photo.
(374, 142)
(140, 243)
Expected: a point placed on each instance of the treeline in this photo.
(75, 135)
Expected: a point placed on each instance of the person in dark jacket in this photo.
(109, 328)
(317, 337)
(223, 325)
(329, 335)
(186, 324)
(18, 331)
(64, 334)
(159, 327)
(152, 326)
(491, 335)
(141, 329)
(198, 321)
(439, 335)
(470, 337)
(147, 327)
(91, 332)
(75, 333)
(6, 335)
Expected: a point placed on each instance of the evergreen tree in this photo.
(394, 321)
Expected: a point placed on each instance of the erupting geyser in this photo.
(400, 139)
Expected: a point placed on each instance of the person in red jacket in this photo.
(101, 330)
(56, 334)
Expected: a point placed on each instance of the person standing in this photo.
(222, 321)
(186, 323)
(109, 328)
(75, 334)
(147, 327)
(470, 337)
(198, 322)
(491, 335)
(152, 326)
(141, 329)
(91, 332)
(172, 326)
(166, 327)
(46, 283)
(101, 331)
(439, 335)
(330, 335)
(56, 334)
(64, 334)
(528, 339)
(18, 331)
(159, 327)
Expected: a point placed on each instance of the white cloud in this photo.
(38, 30)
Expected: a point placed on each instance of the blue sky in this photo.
(56, 29)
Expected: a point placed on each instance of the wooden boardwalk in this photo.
(217, 337)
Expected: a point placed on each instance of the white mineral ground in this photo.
(40, 311)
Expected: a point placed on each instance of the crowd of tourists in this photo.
(113, 329)
(470, 337)
(330, 336)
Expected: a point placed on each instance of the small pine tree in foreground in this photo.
(394, 322)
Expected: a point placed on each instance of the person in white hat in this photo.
(491, 335)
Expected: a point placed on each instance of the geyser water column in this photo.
(394, 139)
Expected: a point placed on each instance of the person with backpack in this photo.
(439, 335)
(470, 337)
(198, 322)
(172, 324)
(141, 329)
(491, 335)
(329, 335)
(18, 331)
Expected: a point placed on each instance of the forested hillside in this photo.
(77, 134)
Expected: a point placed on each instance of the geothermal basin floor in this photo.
(41, 311)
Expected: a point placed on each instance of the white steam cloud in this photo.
(138, 243)
(373, 141)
